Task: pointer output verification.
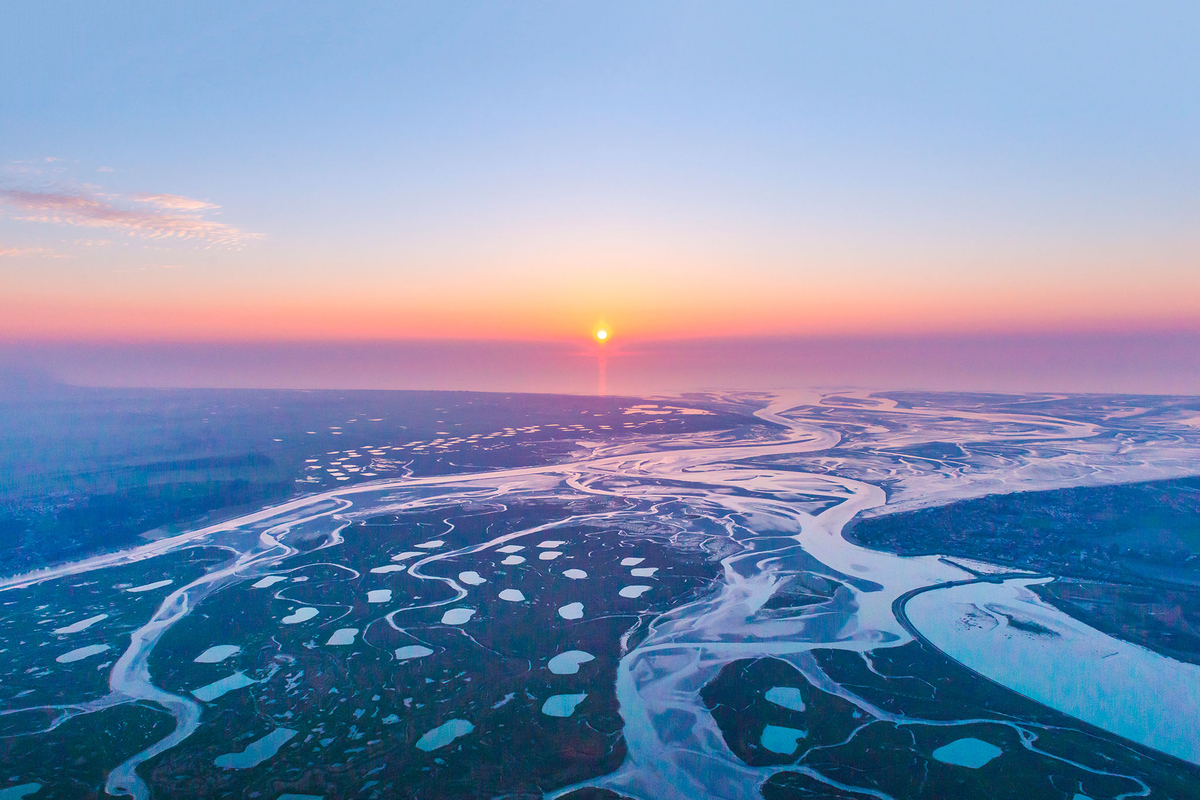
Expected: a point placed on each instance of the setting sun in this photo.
(601, 335)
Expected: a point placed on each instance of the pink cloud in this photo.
(174, 201)
(168, 216)
(13, 252)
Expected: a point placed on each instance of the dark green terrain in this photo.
(1127, 557)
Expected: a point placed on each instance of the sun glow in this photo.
(601, 335)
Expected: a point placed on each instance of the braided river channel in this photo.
(655, 617)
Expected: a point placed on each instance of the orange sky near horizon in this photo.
(644, 286)
(701, 312)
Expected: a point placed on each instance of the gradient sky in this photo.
(270, 170)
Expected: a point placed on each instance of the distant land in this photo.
(88, 469)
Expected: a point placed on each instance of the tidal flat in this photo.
(588, 621)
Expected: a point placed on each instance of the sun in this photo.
(601, 335)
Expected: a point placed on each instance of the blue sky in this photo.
(464, 169)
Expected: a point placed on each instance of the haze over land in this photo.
(1138, 363)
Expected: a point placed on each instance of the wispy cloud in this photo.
(13, 252)
(174, 202)
(152, 216)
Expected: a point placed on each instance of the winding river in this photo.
(741, 485)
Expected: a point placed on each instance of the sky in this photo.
(264, 172)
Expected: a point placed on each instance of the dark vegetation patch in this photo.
(1096, 532)
(1068, 757)
(737, 700)
(1028, 625)
(898, 760)
(1162, 619)
(593, 793)
(72, 761)
(1129, 555)
(801, 590)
